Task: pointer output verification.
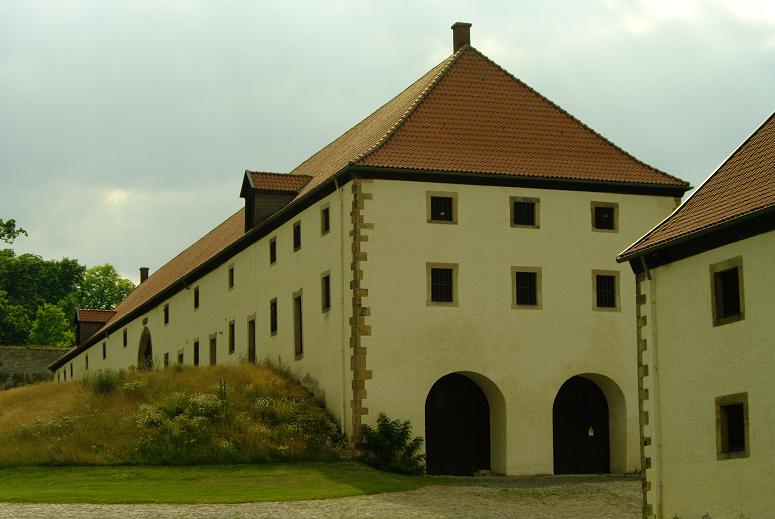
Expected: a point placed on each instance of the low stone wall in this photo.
(21, 365)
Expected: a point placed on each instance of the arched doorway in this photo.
(581, 429)
(457, 427)
(145, 351)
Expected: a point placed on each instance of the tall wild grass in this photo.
(216, 414)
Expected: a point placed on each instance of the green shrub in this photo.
(103, 381)
(391, 447)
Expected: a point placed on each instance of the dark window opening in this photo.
(273, 316)
(727, 293)
(272, 250)
(527, 288)
(104, 351)
(441, 209)
(196, 353)
(71, 370)
(231, 337)
(86, 358)
(325, 220)
(125, 338)
(524, 213)
(231, 277)
(297, 236)
(605, 291)
(298, 340)
(180, 358)
(213, 351)
(441, 285)
(325, 295)
(605, 218)
(167, 314)
(166, 360)
(196, 297)
(732, 428)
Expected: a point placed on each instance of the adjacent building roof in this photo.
(466, 115)
(277, 181)
(93, 316)
(743, 185)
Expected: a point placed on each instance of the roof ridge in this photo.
(278, 174)
(574, 118)
(625, 254)
(451, 60)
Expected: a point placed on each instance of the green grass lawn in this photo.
(198, 484)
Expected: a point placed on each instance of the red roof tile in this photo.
(743, 184)
(278, 181)
(469, 115)
(94, 316)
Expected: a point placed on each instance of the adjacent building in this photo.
(706, 331)
(449, 260)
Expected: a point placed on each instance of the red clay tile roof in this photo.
(469, 115)
(743, 184)
(278, 181)
(94, 316)
(464, 115)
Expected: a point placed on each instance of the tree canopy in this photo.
(51, 327)
(9, 232)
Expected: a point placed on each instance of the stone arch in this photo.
(145, 350)
(465, 425)
(589, 419)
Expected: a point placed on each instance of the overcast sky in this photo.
(126, 126)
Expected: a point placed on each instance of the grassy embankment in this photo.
(114, 438)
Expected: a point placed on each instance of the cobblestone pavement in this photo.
(573, 497)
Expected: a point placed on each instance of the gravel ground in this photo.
(570, 497)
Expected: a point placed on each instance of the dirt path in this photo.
(513, 498)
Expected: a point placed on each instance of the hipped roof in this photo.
(743, 185)
(465, 116)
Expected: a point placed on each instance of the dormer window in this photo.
(267, 193)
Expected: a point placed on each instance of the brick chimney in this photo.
(461, 35)
(143, 274)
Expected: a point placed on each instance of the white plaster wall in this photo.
(526, 354)
(699, 362)
(323, 367)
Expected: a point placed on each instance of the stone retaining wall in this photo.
(21, 365)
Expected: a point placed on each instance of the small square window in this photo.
(297, 236)
(442, 207)
(273, 316)
(441, 284)
(231, 277)
(732, 426)
(125, 338)
(325, 220)
(526, 291)
(196, 297)
(104, 351)
(605, 290)
(524, 212)
(196, 353)
(605, 216)
(325, 292)
(272, 250)
(231, 337)
(727, 291)
(166, 314)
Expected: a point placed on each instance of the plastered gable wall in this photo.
(256, 282)
(698, 362)
(525, 355)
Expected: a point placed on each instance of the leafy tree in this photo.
(102, 288)
(14, 322)
(51, 327)
(391, 447)
(9, 232)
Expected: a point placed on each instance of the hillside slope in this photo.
(217, 414)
